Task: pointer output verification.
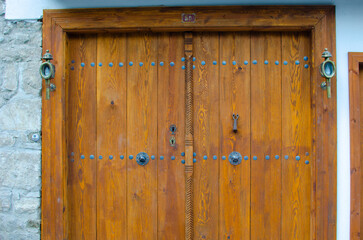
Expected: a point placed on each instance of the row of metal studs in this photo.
(183, 67)
(205, 157)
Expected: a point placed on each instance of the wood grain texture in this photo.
(355, 105)
(171, 188)
(82, 135)
(111, 136)
(266, 136)
(296, 138)
(141, 136)
(229, 17)
(206, 136)
(234, 190)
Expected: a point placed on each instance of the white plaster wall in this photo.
(349, 19)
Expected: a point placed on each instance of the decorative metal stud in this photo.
(194, 160)
(194, 154)
(110, 157)
(297, 62)
(182, 154)
(72, 68)
(183, 67)
(224, 62)
(254, 157)
(277, 157)
(214, 157)
(140, 64)
(92, 64)
(245, 62)
(120, 64)
(142, 158)
(306, 66)
(161, 63)
(214, 62)
(234, 62)
(235, 158)
(172, 157)
(193, 67)
(277, 63)
(72, 153)
(266, 62)
(203, 63)
(172, 64)
(152, 157)
(285, 62)
(205, 157)
(307, 154)
(224, 158)
(131, 157)
(307, 162)
(100, 64)
(183, 161)
(110, 64)
(122, 157)
(297, 158)
(286, 157)
(82, 64)
(100, 157)
(82, 156)
(254, 62)
(267, 157)
(306, 58)
(161, 157)
(153, 64)
(131, 63)
(183, 59)
(194, 59)
(73, 61)
(92, 157)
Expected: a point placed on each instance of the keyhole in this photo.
(172, 129)
(172, 141)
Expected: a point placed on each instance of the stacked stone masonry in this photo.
(20, 116)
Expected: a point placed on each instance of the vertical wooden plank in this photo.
(234, 181)
(171, 186)
(266, 135)
(296, 137)
(206, 132)
(82, 137)
(111, 137)
(141, 135)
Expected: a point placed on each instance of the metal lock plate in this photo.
(235, 158)
(142, 158)
(172, 141)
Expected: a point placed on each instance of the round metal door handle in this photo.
(142, 158)
(235, 158)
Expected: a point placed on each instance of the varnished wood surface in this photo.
(171, 187)
(111, 137)
(206, 135)
(266, 130)
(234, 181)
(356, 148)
(54, 199)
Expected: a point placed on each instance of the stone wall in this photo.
(20, 117)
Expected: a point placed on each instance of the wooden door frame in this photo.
(319, 20)
(354, 59)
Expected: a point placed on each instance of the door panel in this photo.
(234, 182)
(124, 93)
(82, 135)
(206, 135)
(266, 135)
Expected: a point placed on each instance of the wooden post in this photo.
(188, 50)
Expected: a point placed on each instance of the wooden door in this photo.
(124, 93)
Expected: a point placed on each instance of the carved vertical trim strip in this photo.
(188, 51)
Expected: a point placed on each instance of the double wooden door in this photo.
(126, 136)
